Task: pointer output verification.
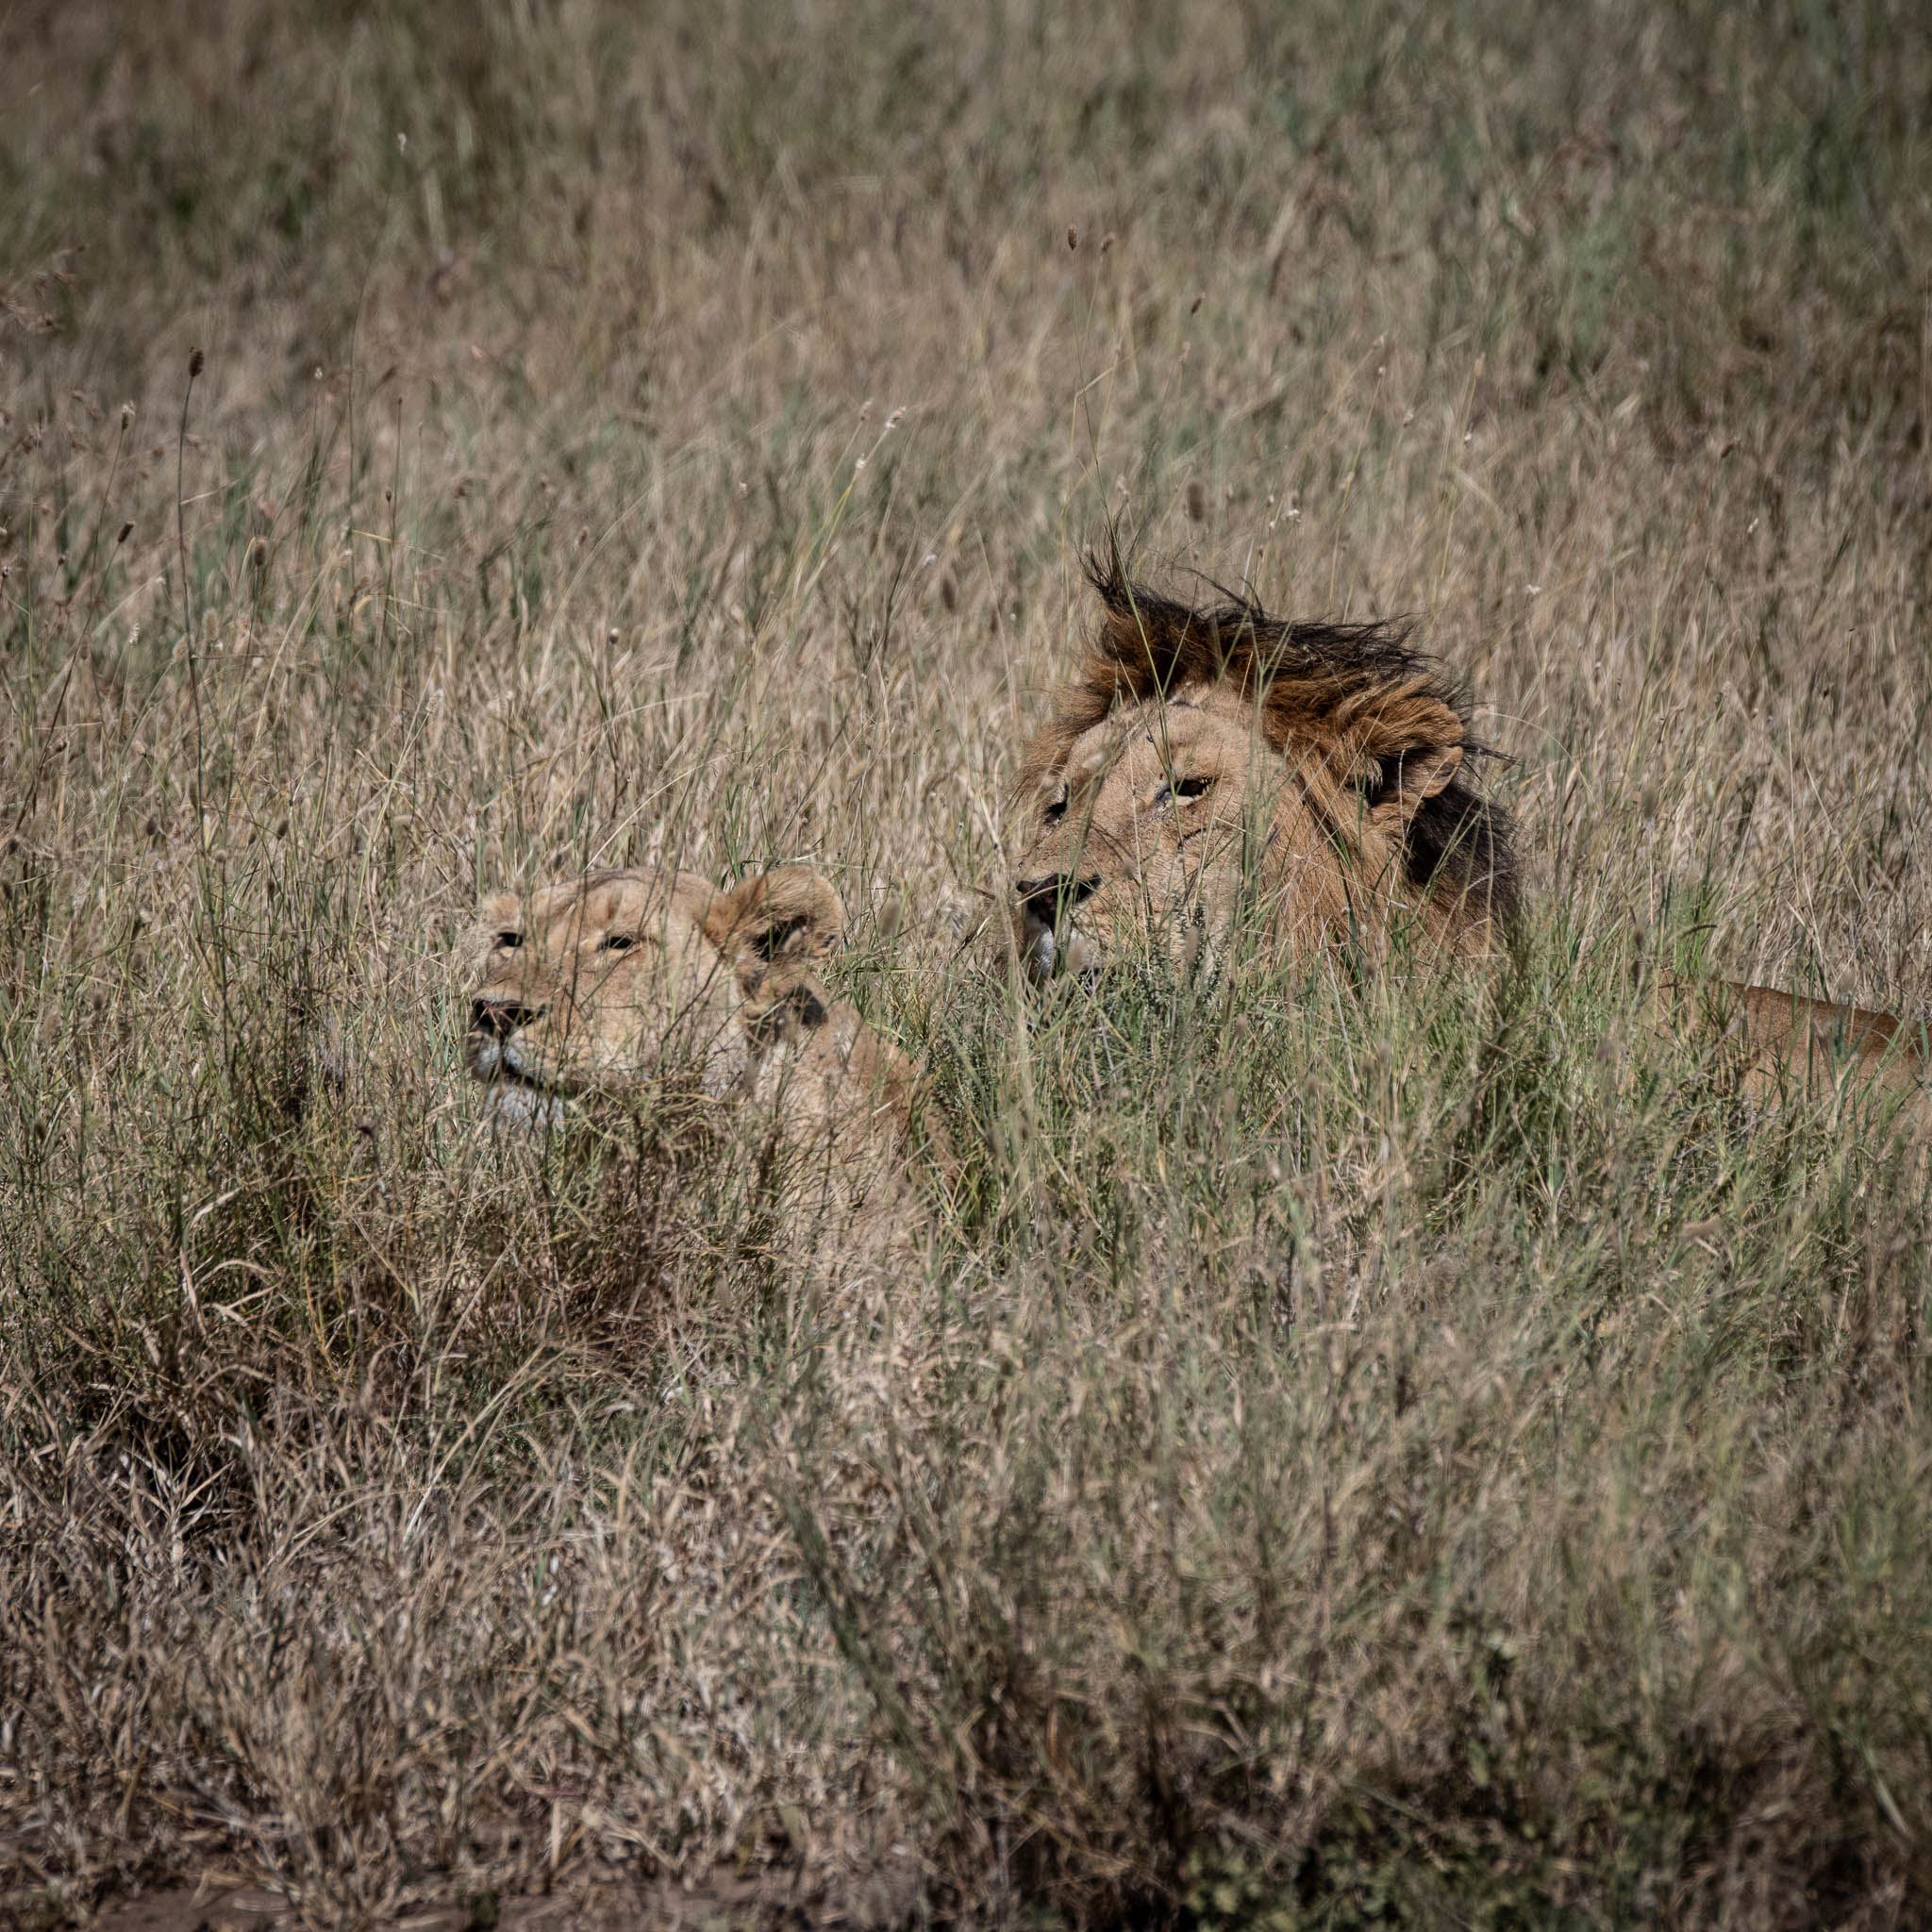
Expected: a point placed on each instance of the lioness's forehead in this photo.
(641, 900)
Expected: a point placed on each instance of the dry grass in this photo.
(1416, 1450)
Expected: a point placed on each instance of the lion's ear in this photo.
(1409, 777)
(786, 915)
(1401, 753)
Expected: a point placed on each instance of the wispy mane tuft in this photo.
(1315, 684)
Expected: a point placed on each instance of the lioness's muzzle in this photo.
(499, 1019)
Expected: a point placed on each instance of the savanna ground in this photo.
(1409, 1450)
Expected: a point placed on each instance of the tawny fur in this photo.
(1783, 1044)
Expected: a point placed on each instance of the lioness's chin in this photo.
(515, 1104)
(517, 1095)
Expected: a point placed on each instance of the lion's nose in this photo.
(501, 1018)
(1050, 900)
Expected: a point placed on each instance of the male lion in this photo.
(624, 981)
(1208, 761)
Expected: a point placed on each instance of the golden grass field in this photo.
(1416, 1450)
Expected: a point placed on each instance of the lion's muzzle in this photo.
(1046, 943)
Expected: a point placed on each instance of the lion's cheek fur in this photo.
(1301, 889)
(1315, 898)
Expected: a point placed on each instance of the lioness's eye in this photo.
(618, 941)
(509, 940)
(1056, 812)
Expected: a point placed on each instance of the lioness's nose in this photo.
(501, 1017)
(1051, 899)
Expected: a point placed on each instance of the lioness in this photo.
(1205, 762)
(623, 980)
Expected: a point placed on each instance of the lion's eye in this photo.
(618, 942)
(1056, 812)
(509, 940)
(1184, 788)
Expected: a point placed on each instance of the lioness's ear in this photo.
(789, 913)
